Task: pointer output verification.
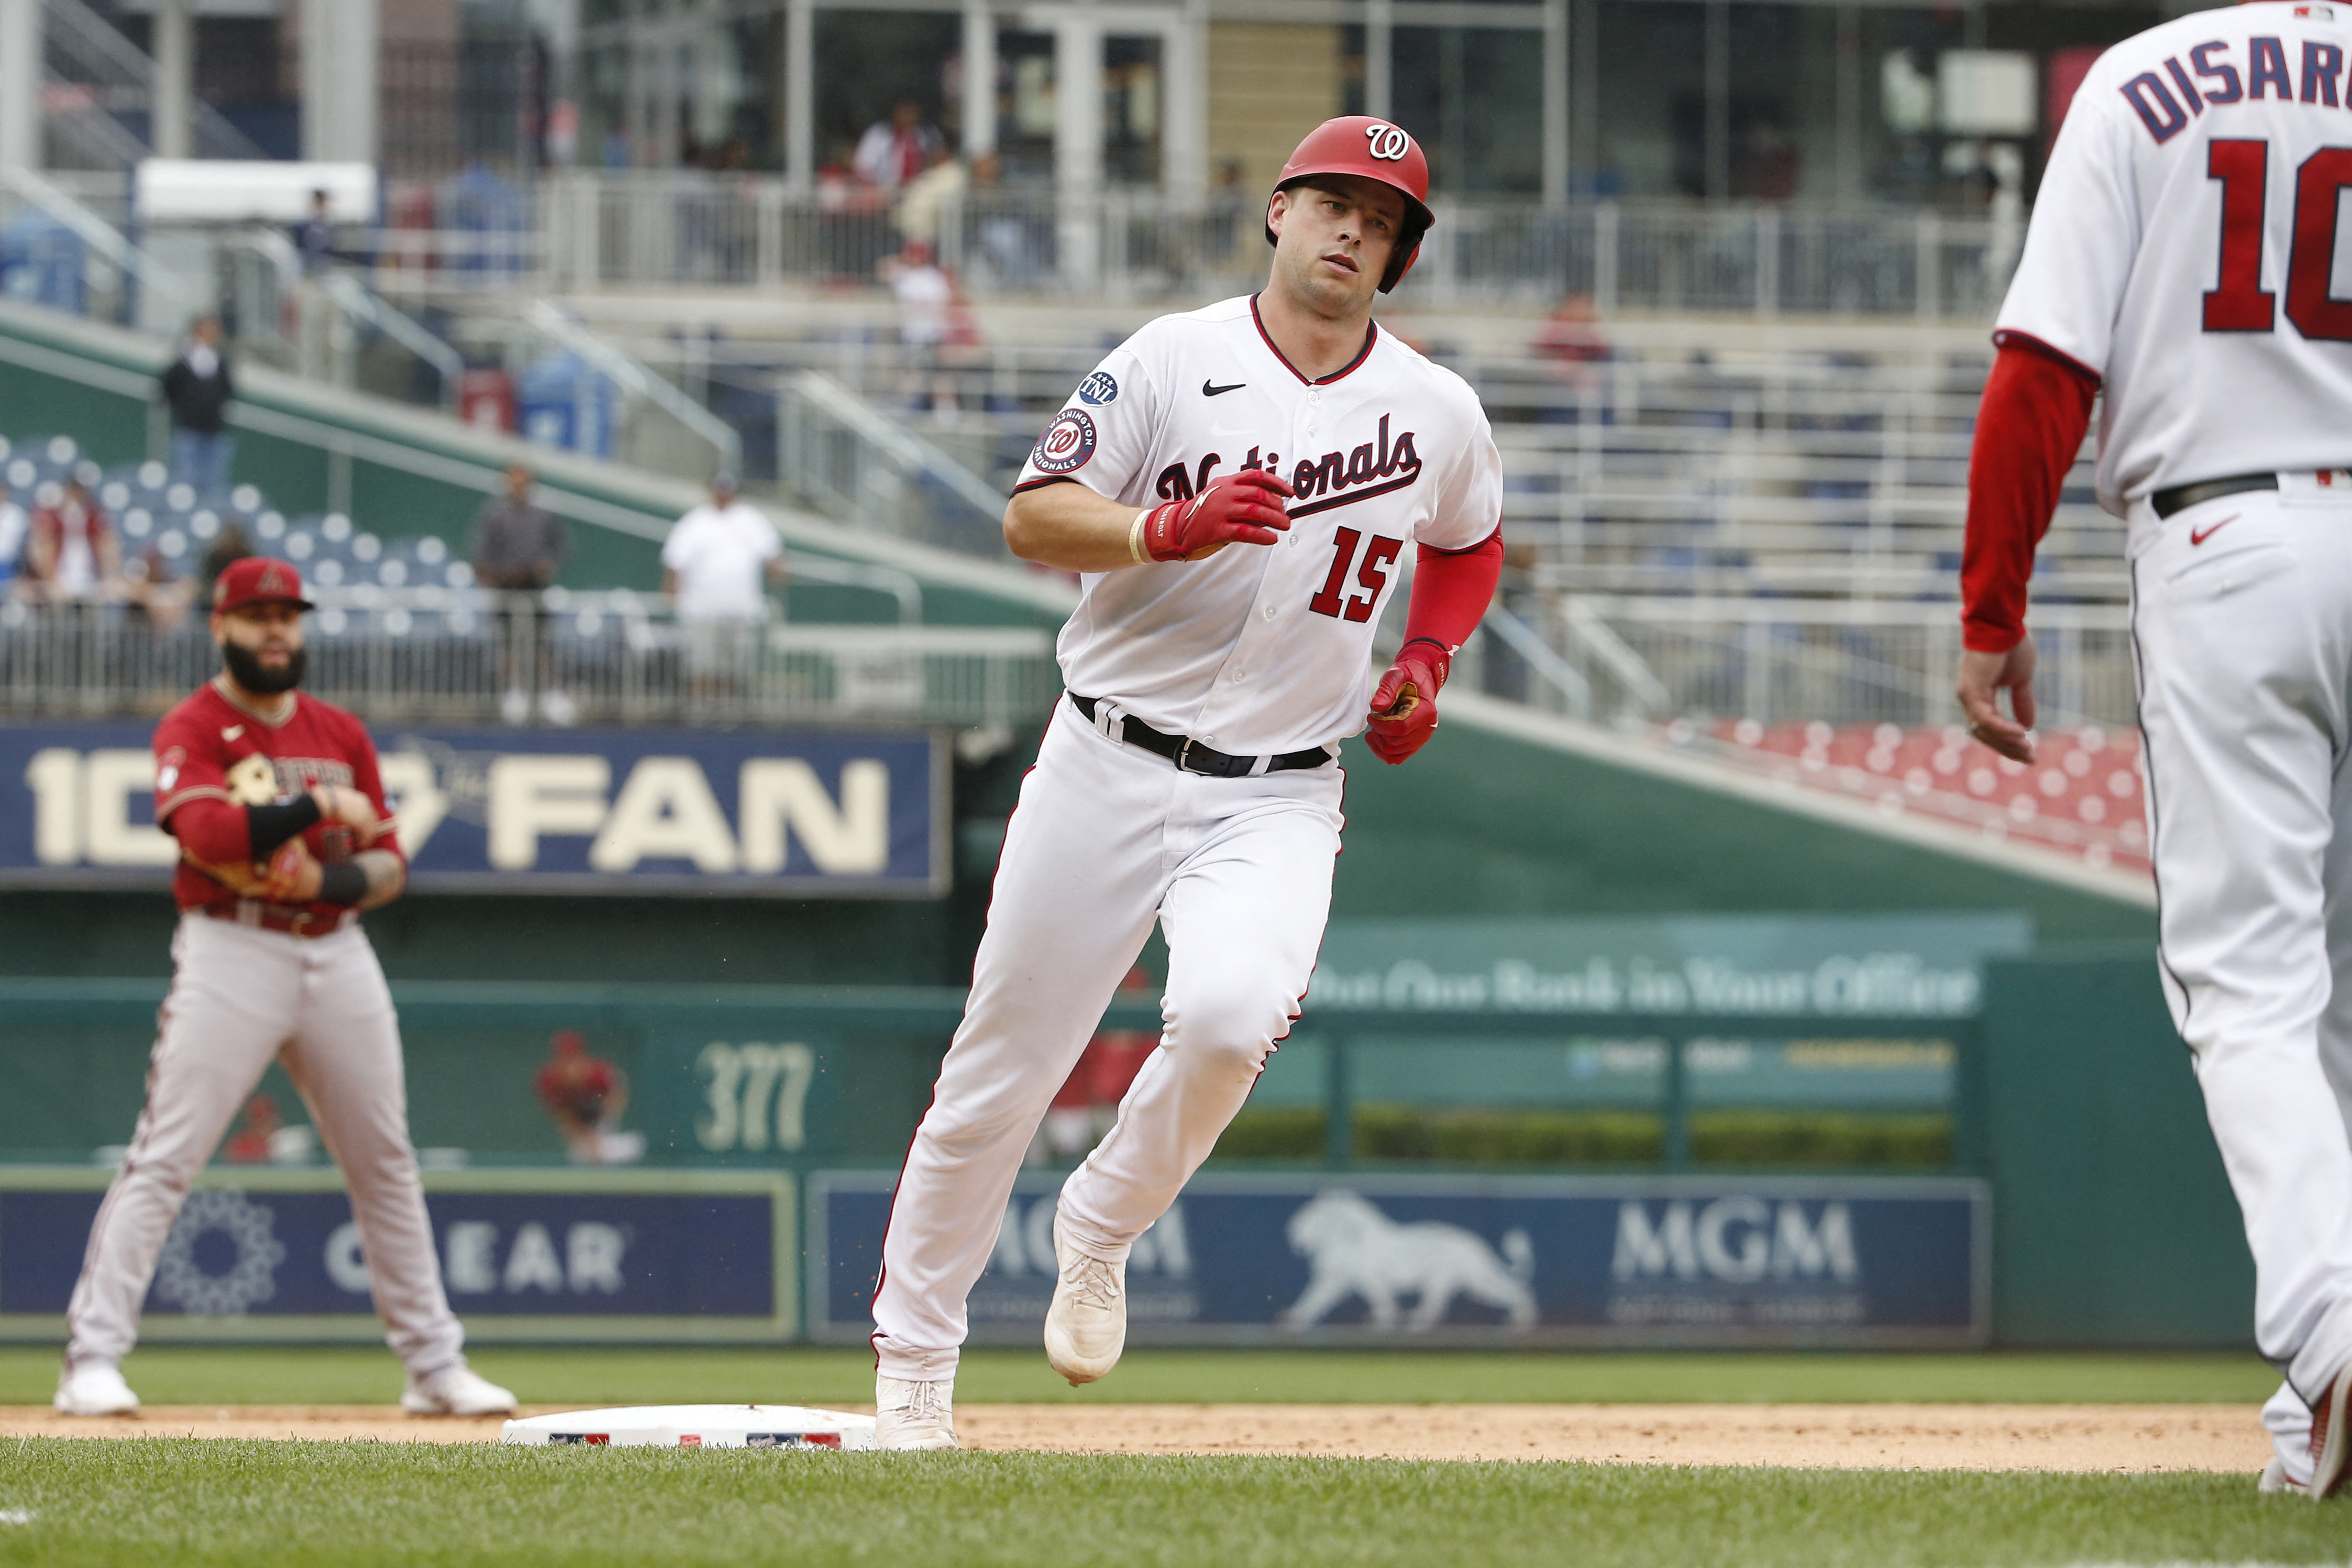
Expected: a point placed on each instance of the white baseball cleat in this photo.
(2276, 1480)
(95, 1388)
(912, 1413)
(454, 1390)
(1085, 1328)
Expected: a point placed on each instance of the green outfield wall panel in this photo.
(1489, 823)
(2112, 1220)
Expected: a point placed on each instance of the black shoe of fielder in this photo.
(2331, 1444)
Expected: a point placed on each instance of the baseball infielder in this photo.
(279, 813)
(1237, 486)
(2183, 259)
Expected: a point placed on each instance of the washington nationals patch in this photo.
(1067, 443)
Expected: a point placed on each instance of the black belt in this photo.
(2180, 498)
(1195, 757)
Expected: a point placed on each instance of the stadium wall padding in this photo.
(2112, 1220)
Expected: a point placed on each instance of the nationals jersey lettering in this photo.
(1265, 648)
(209, 749)
(2185, 248)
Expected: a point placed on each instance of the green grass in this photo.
(601, 1375)
(240, 1503)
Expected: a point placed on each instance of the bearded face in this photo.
(261, 646)
(249, 671)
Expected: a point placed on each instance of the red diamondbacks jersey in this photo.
(211, 747)
(2186, 246)
(1263, 650)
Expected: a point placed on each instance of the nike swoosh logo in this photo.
(232, 732)
(2199, 535)
(1211, 389)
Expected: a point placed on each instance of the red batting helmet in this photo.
(1377, 150)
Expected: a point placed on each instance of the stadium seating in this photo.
(2084, 793)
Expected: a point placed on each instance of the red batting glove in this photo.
(1238, 508)
(1404, 704)
(293, 875)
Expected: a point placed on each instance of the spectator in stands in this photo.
(923, 204)
(894, 151)
(13, 525)
(229, 545)
(1231, 201)
(927, 309)
(716, 565)
(314, 236)
(518, 547)
(149, 583)
(73, 554)
(197, 387)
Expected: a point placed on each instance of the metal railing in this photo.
(856, 465)
(1780, 660)
(579, 230)
(1753, 460)
(109, 77)
(463, 655)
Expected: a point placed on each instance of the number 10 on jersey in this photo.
(2240, 303)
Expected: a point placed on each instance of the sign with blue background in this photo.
(549, 1255)
(1400, 1260)
(801, 813)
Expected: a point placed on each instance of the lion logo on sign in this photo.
(1353, 1249)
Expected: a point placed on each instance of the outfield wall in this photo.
(2085, 1206)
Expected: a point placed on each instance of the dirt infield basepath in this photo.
(1858, 1437)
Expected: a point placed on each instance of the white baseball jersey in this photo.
(2186, 247)
(1263, 650)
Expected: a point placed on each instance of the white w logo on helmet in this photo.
(1388, 142)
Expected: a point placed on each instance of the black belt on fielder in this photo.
(1195, 757)
(2180, 498)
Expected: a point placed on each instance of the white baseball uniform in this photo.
(1258, 651)
(2186, 248)
(252, 982)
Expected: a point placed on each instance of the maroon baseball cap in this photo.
(258, 580)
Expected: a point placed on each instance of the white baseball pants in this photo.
(241, 995)
(2241, 615)
(1106, 838)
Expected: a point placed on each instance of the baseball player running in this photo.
(1237, 487)
(2183, 259)
(279, 813)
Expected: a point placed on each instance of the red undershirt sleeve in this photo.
(1451, 591)
(214, 832)
(2030, 426)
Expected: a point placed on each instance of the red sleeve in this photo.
(2036, 407)
(190, 765)
(214, 832)
(1451, 591)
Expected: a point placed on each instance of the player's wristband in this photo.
(1135, 539)
(267, 826)
(342, 883)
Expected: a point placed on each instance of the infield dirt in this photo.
(2083, 1438)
